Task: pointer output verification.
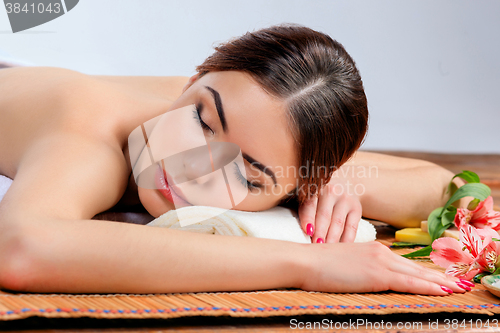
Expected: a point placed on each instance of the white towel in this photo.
(275, 223)
(5, 183)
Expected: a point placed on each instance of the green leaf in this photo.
(473, 204)
(468, 176)
(452, 187)
(436, 233)
(496, 239)
(476, 190)
(406, 244)
(478, 277)
(497, 271)
(434, 224)
(434, 218)
(448, 216)
(424, 252)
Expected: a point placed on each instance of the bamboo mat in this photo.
(280, 302)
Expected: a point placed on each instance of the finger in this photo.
(351, 226)
(324, 210)
(307, 215)
(409, 267)
(414, 285)
(337, 222)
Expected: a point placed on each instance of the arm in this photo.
(90, 256)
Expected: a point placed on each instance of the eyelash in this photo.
(197, 117)
(239, 175)
(243, 180)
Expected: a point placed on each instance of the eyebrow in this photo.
(218, 106)
(222, 117)
(261, 167)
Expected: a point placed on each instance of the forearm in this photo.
(404, 198)
(90, 256)
(401, 192)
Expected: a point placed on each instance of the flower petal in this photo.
(462, 217)
(488, 203)
(487, 234)
(471, 240)
(480, 214)
(458, 269)
(462, 271)
(448, 251)
(482, 207)
(489, 255)
(470, 274)
(493, 218)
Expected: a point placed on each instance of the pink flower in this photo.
(481, 217)
(475, 252)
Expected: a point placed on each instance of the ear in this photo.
(190, 82)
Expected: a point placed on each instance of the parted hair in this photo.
(320, 84)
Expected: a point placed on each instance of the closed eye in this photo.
(197, 117)
(250, 185)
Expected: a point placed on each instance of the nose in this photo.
(196, 163)
(190, 165)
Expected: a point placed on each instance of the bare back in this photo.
(63, 137)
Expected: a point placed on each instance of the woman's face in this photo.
(236, 109)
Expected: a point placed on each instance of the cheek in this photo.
(154, 202)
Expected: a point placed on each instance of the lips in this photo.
(165, 189)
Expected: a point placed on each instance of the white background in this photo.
(431, 68)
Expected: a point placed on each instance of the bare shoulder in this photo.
(30, 104)
(16, 81)
(66, 175)
(58, 144)
(162, 86)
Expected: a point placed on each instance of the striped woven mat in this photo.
(282, 302)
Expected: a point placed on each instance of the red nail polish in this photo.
(463, 286)
(319, 240)
(310, 229)
(467, 283)
(448, 290)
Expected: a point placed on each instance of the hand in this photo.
(368, 267)
(333, 216)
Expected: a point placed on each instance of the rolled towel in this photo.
(5, 183)
(276, 223)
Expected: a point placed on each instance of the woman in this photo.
(286, 95)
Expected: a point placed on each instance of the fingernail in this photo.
(448, 290)
(310, 229)
(319, 240)
(467, 283)
(463, 286)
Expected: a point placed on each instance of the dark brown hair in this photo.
(320, 83)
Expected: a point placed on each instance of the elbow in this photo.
(16, 265)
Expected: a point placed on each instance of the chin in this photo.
(154, 202)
